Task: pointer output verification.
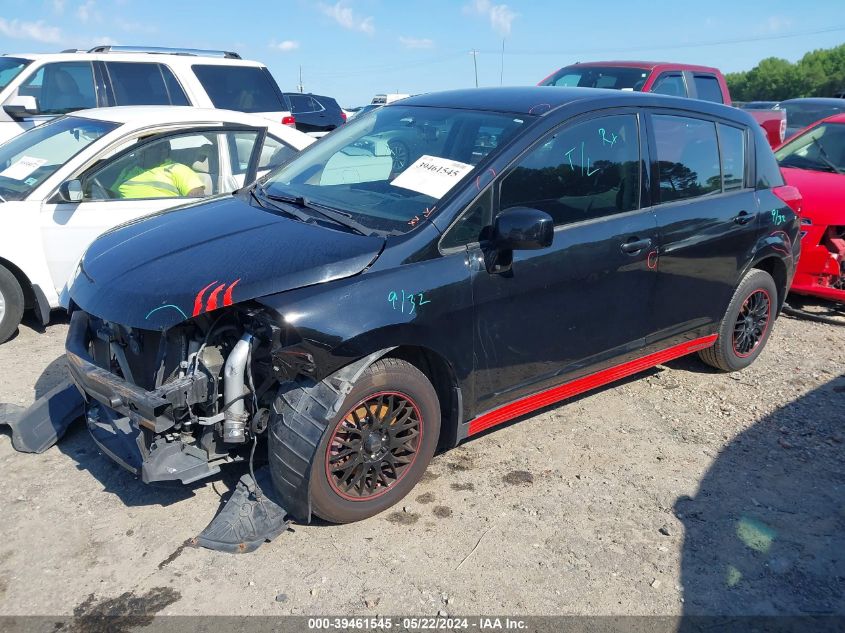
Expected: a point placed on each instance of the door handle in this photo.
(634, 246)
(743, 218)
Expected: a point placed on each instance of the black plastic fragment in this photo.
(246, 521)
(39, 427)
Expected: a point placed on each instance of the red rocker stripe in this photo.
(580, 385)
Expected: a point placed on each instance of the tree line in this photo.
(819, 73)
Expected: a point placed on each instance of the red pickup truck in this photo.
(680, 80)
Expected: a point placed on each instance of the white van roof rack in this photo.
(163, 50)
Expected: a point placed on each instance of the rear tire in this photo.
(11, 304)
(389, 426)
(747, 324)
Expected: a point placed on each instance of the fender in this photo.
(776, 244)
(323, 332)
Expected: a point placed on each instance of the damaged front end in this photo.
(177, 404)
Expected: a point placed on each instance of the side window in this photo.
(241, 145)
(471, 225)
(274, 153)
(177, 95)
(688, 157)
(183, 165)
(300, 104)
(587, 170)
(62, 87)
(137, 83)
(671, 84)
(732, 144)
(240, 88)
(708, 88)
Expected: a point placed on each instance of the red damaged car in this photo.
(814, 161)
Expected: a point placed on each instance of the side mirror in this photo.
(70, 191)
(521, 228)
(21, 107)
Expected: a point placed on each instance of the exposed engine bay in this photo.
(178, 404)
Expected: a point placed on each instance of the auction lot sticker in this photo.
(22, 167)
(432, 176)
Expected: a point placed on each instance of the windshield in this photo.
(800, 115)
(29, 159)
(387, 170)
(10, 67)
(819, 149)
(618, 78)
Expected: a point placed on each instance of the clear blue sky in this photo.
(354, 48)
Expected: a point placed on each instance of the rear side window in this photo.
(241, 88)
(585, 171)
(732, 145)
(177, 95)
(687, 156)
(144, 84)
(708, 88)
(302, 104)
(671, 84)
(62, 87)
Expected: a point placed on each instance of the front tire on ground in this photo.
(378, 446)
(11, 304)
(747, 324)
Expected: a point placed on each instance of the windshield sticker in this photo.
(23, 167)
(432, 176)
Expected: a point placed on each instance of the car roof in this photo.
(832, 101)
(645, 65)
(146, 115)
(541, 100)
(836, 118)
(166, 58)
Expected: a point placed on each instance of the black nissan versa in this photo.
(546, 241)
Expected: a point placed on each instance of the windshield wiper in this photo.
(262, 202)
(330, 213)
(825, 158)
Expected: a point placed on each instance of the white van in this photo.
(37, 87)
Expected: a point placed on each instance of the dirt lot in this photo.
(678, 491)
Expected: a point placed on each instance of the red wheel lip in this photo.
(329, 477)
(765, 329)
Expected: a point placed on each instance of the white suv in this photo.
(37, 87)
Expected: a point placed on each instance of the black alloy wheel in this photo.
(378, 445)
(752, 322)
(747, 324)
(374, 446)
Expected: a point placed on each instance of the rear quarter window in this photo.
(241, 88)
(708, 89)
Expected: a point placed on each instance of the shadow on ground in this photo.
(765, 533)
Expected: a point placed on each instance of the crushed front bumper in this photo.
(131, 424)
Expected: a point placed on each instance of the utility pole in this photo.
(474, 54)
(502, 66)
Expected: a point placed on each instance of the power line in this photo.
(652, 47)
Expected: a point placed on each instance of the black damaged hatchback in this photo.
(359, 313)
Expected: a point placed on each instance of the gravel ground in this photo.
(678, 491)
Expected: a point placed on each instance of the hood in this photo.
(823, 194)
(169, 267)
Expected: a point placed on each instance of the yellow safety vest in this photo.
(167, 180)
